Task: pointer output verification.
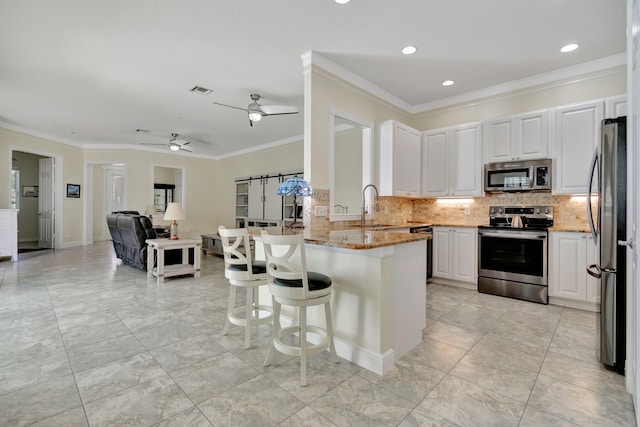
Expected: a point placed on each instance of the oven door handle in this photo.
(514, 235)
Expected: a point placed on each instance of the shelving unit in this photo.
(287, 212)
(242, 203)
(256, 204)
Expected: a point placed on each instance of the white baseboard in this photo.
(65, 245)
(456, 283)
(374, 362)
(581, 305)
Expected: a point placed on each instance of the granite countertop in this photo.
(570, 228)
(455, 225)
(350, 238)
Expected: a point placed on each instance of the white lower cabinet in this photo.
(569, 283)
(455, 254)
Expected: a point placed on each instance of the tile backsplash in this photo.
(570, 212)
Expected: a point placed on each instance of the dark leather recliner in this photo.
(129, 233)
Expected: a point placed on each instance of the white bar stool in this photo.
(291, 284)
(242, 271)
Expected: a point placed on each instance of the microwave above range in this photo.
(525, 175)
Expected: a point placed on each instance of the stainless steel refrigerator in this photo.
(609, 228)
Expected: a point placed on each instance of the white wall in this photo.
(70, 161)
(283, 158)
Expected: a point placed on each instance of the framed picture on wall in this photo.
(73, 191)
(29, 191)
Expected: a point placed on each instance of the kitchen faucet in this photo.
(376, 206)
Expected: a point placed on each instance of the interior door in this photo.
(46, 211)
(114, 193)
(633, 187)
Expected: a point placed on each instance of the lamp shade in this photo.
(174, 212)
(295, 186)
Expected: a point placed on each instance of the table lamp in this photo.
(174, 213)
(295, 187)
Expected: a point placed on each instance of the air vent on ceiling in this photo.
(201, 90)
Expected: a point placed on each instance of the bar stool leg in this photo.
(230, 307)
(274, 333)
(332, 345)
(303, 346)
(248, 315)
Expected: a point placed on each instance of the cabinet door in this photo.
(465, 259)
(532, 135)
(272, 201)
(567, 266)
(577, 130)
(255, 199)
(616, 106)
(593, 284)
(499, 140)
(441, 253)
(406, 161)
(466, 160)
(435, 163)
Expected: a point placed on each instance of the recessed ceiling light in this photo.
(447, 83)
(409, 50)
(342, 1)
(569, 48)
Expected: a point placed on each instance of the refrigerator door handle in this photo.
(590, 269)
(592, 170)
(628, 243)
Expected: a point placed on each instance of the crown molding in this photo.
(318, 60)
(533, 82)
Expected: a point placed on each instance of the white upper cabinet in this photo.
(521, 137)
(399, 160)
(435, 163)
(615, 106)
(576, 134)
(452, 161)
(466, 160)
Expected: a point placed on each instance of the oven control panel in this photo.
(539, 216)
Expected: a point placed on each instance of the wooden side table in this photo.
(161, 271)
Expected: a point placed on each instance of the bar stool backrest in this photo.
(237, 253)
(286, 262)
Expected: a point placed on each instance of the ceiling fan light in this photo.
(174, 147)
(254, 117)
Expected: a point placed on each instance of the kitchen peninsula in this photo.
(379, 296)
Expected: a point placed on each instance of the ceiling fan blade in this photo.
(188, 150)
(230, 106)
(152, 143)
(272, 110)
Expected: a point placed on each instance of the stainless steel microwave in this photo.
(525, 175)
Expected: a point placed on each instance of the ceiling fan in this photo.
(175, 143)
(256, 111)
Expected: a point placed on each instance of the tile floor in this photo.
(87, 341)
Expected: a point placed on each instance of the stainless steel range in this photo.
(512, 252)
